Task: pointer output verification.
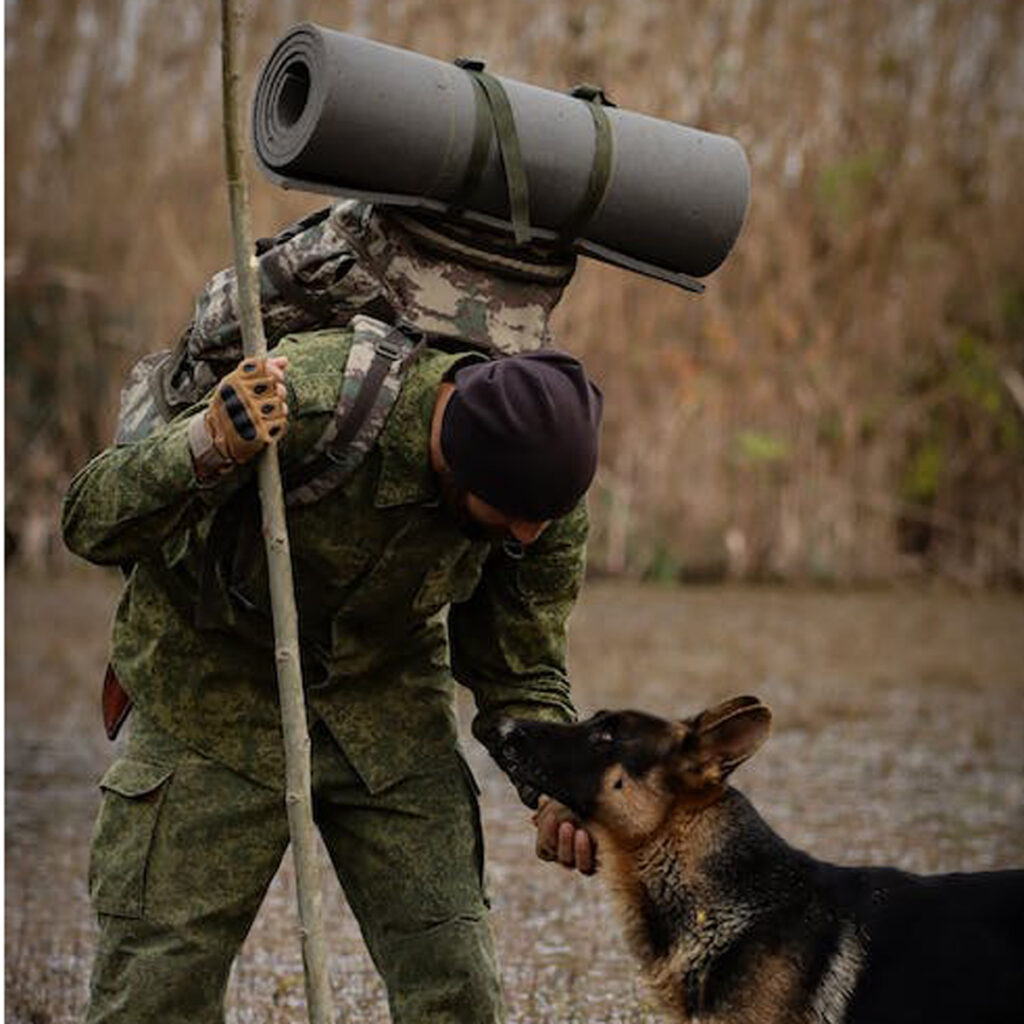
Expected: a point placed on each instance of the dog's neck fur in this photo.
(688, 902)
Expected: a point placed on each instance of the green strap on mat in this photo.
(601, 168)
(481, 146)
(494, 113)
(493, 108)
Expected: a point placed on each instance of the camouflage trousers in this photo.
(184, 850)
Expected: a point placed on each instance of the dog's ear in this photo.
(726, 709)
(723, 737)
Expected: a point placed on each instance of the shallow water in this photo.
(898, 738)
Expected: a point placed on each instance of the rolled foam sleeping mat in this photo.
(344, 115)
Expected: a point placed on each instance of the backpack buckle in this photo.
(388, 349)
(592, 94)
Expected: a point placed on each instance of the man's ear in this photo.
(723, 737)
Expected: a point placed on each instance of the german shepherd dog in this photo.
(733, 925)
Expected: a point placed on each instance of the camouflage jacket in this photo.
(393, 599)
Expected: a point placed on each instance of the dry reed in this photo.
(845, 403)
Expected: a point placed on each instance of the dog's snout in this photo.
(506, 729)
(509, 738)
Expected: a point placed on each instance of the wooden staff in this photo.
(298, 795)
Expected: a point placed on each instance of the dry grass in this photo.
(839, 406)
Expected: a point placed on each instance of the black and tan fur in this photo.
(733, 925)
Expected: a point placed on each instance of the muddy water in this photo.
(899, 738)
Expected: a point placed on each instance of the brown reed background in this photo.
(846, 402)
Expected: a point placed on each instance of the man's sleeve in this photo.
(132, 497)
(508, 641)
(124, 503)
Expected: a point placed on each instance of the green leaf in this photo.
(758, 446)
(924, 472)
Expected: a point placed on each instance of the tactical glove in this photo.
(246, 413)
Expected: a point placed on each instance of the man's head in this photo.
(518, 440)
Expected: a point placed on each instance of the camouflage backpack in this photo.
(396, 279)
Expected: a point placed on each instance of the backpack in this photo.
(397, 282)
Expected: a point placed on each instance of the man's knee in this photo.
(443, 974)
(144, 972)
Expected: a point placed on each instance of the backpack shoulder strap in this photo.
(370, 385)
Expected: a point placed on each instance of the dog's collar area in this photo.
(695, 979)
(694, 984)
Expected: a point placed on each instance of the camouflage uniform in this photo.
(393, 600)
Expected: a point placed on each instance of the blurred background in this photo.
(846, 402)
(841, 414)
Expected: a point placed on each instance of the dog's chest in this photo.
(697, 960)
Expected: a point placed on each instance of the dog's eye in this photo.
(617, 784)
(601, 739)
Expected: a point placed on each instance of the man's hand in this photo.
(247, 413)
(561, 837)
(248, 410)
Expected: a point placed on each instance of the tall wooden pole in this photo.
(298, 796)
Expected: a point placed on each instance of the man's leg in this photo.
(183, 852)
(410, 860)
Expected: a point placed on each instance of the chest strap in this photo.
(369, 387)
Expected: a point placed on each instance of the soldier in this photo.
(455, 549)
